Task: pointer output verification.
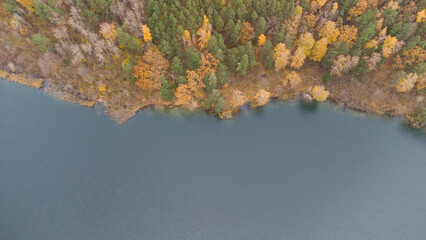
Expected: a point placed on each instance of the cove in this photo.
(288, 171)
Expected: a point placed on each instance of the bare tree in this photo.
(343, 64)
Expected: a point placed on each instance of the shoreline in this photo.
(23, 79)
(120, 116)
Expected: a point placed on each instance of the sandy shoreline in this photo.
(120, 116)
(23, 79)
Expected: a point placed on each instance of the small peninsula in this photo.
(218, 55)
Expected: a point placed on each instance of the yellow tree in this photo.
(238, 98)
(421, 15)
(388, 45)
(421, 83)
(348, 34)
(407, 83)
(28, 4)
(208, 64)
(102, 89)
(311, 20)
(321, 2)
(383, 32)
(316, 4)
(370, 44)
(143, 75)
(335, 7)
(319, 50)
(149, 71)
(393, 4)
(298, 59)
(281, 56)
(261, 40)
(397, 63)
(204, 33)
(329, 31)
(146, 33)
(292, 25)
(108, 30)
(414, 55)
(183, 95)
(186, 36)
(195, 84)
(247, 32)
(379, 24)
(261, 98)
(293, 78)
(306, 41)
(319, 93)
(299, 10)
(358, 9)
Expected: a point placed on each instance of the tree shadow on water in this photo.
(258, 110)
(309, 107)
(417, 133)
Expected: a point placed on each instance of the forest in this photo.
(220, 54)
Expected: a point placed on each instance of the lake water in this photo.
(289, 171)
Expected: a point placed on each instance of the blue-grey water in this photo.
(287, 172)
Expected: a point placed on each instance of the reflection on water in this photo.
(288, 171)
(308, 106)
(417, 133)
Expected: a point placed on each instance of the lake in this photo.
(287, 171)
